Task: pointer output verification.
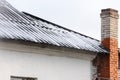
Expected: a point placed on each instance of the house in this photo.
(32, 48)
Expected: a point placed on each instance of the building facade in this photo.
(32, 48)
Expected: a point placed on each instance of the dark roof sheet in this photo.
(16, 25)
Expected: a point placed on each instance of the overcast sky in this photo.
(79, 15)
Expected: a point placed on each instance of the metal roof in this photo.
(17, 25)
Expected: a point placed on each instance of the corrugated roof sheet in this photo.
(22, 26)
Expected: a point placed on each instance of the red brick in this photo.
(108, 63)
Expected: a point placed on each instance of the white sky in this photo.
(79, 15)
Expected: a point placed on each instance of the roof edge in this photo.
(44, 45)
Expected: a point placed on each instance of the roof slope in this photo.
(16, 25)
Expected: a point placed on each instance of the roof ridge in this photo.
(38, 18)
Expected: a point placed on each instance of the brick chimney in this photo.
(108, 67)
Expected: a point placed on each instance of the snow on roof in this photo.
(17, 25)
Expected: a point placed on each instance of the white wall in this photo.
(43, 67)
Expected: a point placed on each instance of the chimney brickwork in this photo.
(109, 23)
(108, 67)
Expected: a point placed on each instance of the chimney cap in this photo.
(109, 12)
